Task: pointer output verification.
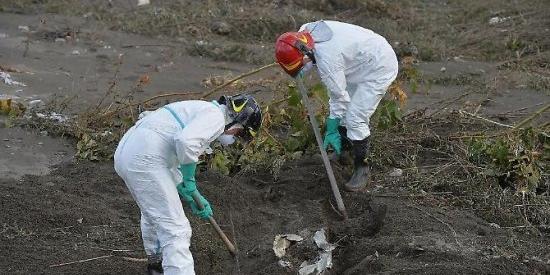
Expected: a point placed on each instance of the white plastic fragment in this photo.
(321, 241)
(143, 2)
(53, 116)
(6, 78)
(324, 261)
(24, 28)
(497, 19)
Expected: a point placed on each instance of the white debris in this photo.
(320, 239)
(75, 52)
(293, 237)
(282, 242)
(443, 69)
(285, 263)
(35, 103)
(497, 19)
(143, 2)
(60, 40)
(324, 261)
(6, 78)
(396, 172)
(53, 116)
(494, 225)
(3, 35)
(24, 28)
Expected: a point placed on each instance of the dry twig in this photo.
(82, 261)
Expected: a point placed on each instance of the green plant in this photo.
(516, 160)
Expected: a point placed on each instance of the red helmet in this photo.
(290, 49)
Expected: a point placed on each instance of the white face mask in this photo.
(226, 140)
(307, 67)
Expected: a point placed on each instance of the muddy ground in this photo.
(82, 210)
(61, 215)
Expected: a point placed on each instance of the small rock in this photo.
(80, 220)
(43, 133)
(220, 27)
(396, 172)
(24, 28)
(75, 52)
(60, 40)
(41, 143)
(443, 69)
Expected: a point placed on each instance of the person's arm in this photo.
(332, 75)
(190, 143)
(200, 131)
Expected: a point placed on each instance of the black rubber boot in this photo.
(360, 176)
(154, 265)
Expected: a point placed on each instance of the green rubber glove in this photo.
(332, 136)
(188, 187)
(206, 212)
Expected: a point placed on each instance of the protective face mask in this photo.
(226, 140)
(308, 66)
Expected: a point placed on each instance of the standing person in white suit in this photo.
(357, 66)
(157, 158)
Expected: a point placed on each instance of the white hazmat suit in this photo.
(147, 158)
(357, 66)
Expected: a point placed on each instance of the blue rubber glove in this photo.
(188, 187)
(332, 136)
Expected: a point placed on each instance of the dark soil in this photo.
(81, 211)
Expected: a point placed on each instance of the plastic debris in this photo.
(497, 19)
(6, 78)
(24, 28)
(396, 172)
(143, 2)
(324, 260)
(35, 103)
(282, 242)
(53, 116)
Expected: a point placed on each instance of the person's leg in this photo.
(157, 196)
(363, 105)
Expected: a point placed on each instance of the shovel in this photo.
(214, 224)
(315, 126)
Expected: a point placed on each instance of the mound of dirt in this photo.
(83, 211)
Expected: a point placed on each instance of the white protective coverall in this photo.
(357, 66)
(147, 158)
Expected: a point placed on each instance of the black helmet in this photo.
(243, 109)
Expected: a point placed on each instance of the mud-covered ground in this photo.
(82, 211)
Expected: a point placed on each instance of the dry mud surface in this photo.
(82, 211)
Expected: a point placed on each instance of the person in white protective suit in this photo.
(157, 158)
(357, 66)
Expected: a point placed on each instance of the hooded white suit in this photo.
(147, 158)
(357, 66)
